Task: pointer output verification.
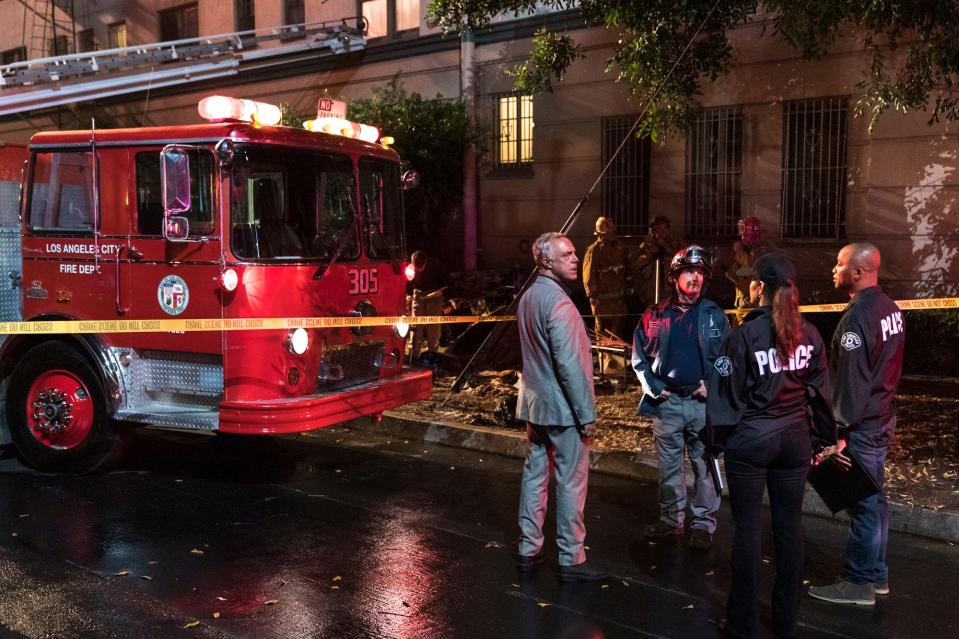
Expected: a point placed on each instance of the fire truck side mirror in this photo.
(176, 180)
(410, 180)
(177, 228)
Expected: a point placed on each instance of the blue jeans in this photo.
(869, 525)
(779, 464)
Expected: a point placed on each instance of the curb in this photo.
(924, 522)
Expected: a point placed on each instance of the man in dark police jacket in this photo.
(865, 365)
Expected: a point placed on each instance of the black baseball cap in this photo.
(773, 270)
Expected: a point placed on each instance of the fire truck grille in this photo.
(349, 365)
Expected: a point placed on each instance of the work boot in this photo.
(701, 539)
(845, 592)
(662, 529)
(525, 563)
(581, 572)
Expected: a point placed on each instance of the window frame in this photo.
(238, 15)
(198, 228)
(519, 165)
(392, 32)
(802, 174)
(17, 54)
(180, 13)
(114, 31)
(721, 167)
(30, 194)
(631, 187)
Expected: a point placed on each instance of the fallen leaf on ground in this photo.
(216, 615)
(192, 624)
(122, 573)
(196, 551)
(270, 602)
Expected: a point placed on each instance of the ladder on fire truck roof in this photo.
(79, 77)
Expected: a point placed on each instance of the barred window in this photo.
(814, 168)
(513, 130)
(626, 183)
(714, 166)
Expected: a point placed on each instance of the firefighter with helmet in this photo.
(750, 246)
(657, 247)
(674, 348)
(605, 278)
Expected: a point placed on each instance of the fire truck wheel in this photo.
(56, 410)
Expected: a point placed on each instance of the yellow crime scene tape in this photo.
(51, 327)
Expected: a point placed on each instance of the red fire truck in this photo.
(234, 218)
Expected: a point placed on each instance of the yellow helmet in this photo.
(604, 226)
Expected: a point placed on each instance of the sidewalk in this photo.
(942, 524)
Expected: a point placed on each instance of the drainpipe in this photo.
(468, 94)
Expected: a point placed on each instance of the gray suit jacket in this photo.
(557, 384)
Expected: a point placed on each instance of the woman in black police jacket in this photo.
(772, 379)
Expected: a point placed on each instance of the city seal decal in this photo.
(724, 366)
(850, 341)
(173, 295)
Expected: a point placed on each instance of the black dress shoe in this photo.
(582, 572)
(525, 563)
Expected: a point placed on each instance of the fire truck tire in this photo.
(57, 412)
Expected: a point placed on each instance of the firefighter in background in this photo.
(605, 273)
(746, 250)
(426, 290)
(657, 248)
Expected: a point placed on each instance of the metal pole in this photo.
(658, 278)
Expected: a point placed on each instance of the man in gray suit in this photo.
(557, 402)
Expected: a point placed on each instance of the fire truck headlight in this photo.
(410, 272)
(229, 280)
(298, 341)
(401, 328)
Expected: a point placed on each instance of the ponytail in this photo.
(787, 321)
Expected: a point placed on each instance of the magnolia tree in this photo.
(913, 46)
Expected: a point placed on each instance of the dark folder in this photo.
(840, 489)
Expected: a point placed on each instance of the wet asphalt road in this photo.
(341, 534)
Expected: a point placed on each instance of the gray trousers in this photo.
(562, 450)
(680, 422)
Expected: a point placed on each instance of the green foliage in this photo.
(668, 48)
(290, 118)
(431, 136)
(551, 56)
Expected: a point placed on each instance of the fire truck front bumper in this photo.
(283, 416)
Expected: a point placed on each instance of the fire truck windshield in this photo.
(382, 208)
(293, 204)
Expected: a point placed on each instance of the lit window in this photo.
(407, 14)
(513, 130)
(387, 18)
(117, 35)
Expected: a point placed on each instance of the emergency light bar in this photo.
(221, 107)
(339, 126)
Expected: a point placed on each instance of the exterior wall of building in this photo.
(902, 184)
